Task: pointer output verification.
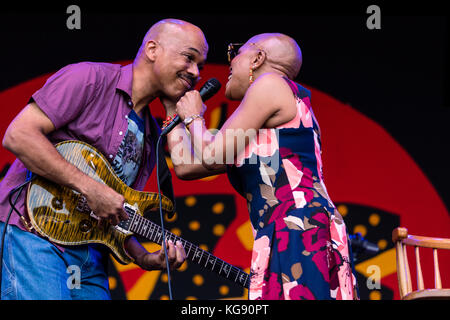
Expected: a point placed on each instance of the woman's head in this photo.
(267, 52)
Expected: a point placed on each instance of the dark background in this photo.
(397, 75)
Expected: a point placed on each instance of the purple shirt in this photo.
(89, 102)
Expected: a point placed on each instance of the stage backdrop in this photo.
(378, 95)
(374, 183)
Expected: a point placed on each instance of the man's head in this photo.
(267, 52)
(171, 56)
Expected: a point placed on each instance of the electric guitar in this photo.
(63, 216)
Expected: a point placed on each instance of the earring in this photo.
(251, 78)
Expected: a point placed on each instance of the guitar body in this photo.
(61, 214)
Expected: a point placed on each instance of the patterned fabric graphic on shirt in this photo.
(128, 159)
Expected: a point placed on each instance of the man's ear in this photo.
(151, 48)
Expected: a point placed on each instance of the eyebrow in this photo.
(193, 49)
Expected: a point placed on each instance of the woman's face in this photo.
(238, 78)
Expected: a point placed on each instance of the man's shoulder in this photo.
(99, 69)
(102, 66)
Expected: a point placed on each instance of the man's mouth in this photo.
(188, 82)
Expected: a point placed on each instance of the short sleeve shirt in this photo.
(90, 102)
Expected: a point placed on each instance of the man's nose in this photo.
(194, 72)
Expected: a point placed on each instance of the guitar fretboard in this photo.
(153, 232)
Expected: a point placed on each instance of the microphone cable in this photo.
(209, 88)
(163, 232)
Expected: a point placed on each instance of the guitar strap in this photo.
(165, 177)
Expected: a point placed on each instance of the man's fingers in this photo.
(175, 253)
(181, 254)
(171, 252)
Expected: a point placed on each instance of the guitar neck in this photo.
(153, 232)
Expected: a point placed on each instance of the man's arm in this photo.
(26, 138)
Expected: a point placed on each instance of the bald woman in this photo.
(270, 147)
(104, 105)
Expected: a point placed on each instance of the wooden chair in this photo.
(401, 239)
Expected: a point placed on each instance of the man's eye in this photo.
(189, 57)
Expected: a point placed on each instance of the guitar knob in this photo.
(85, 225)
(57, 204)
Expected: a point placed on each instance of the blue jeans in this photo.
(34, 269)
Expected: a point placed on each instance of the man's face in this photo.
(179, 63)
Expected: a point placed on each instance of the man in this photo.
(103, 105)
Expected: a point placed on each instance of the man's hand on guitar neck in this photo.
(156, 261)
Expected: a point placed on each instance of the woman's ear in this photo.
(259, 59)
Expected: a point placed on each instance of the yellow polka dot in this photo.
(172, 219)
(176, 231)
(190, 201)
(164, 277)
(183, 267)
(194, 225)
(382, 244)
(374, 219)
(198, 280)
(191, 298)
(218, 207)
(361, 229)
(112, 283)
(343, 210)
(224, 290)
(203, 247)
(164, 297)
(375, 295)
(218, 230)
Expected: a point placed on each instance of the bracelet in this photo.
(190, 119)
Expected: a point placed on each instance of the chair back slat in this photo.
(420, 285)
(407, 272)
(437, 274)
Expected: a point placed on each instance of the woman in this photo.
(301, 249)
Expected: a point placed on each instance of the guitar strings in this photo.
(152, 231)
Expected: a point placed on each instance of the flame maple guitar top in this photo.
(62, 215)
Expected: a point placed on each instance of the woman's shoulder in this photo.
(270, 84)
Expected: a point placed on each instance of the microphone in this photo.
(362, 246)
(210, 88)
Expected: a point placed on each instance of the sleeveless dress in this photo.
(301, 248)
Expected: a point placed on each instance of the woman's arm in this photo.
(268, 103)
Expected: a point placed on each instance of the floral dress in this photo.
(301, 249)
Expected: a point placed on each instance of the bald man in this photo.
(104, 105)
(301, 249)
